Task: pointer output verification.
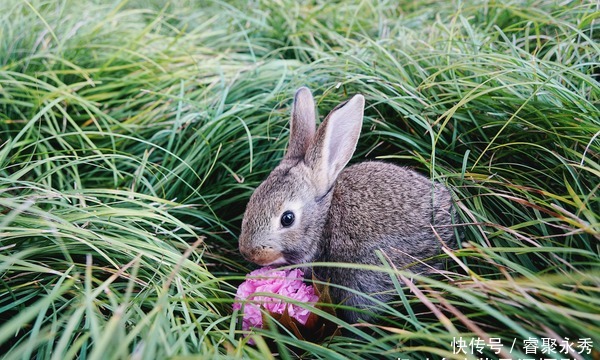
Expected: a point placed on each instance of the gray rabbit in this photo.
(312, 209)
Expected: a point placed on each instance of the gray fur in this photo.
(344, 215)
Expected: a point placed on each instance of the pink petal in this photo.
(287, 283)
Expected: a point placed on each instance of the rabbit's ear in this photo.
(335, 142)
(302, 124)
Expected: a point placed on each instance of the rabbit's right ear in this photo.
(335, 142)
(302, 127)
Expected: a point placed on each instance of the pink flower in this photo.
(287, 283)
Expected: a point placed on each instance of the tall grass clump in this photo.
(133, 132)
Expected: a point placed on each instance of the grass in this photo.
(133, 132)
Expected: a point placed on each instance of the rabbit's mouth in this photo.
(295, 257)
(269, 258)
(278, 261)
(263, 255)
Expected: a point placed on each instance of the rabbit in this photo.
(311, 208)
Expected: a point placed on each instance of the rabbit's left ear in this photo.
(335, 142)
(302, 124)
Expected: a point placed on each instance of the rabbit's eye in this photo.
(287, 219)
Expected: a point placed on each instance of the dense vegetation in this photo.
(132, 134)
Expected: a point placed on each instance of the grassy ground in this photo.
(133, 132)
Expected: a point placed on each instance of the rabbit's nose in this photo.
(264, 256)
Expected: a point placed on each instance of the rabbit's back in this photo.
(378, 199)
(381, 206)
